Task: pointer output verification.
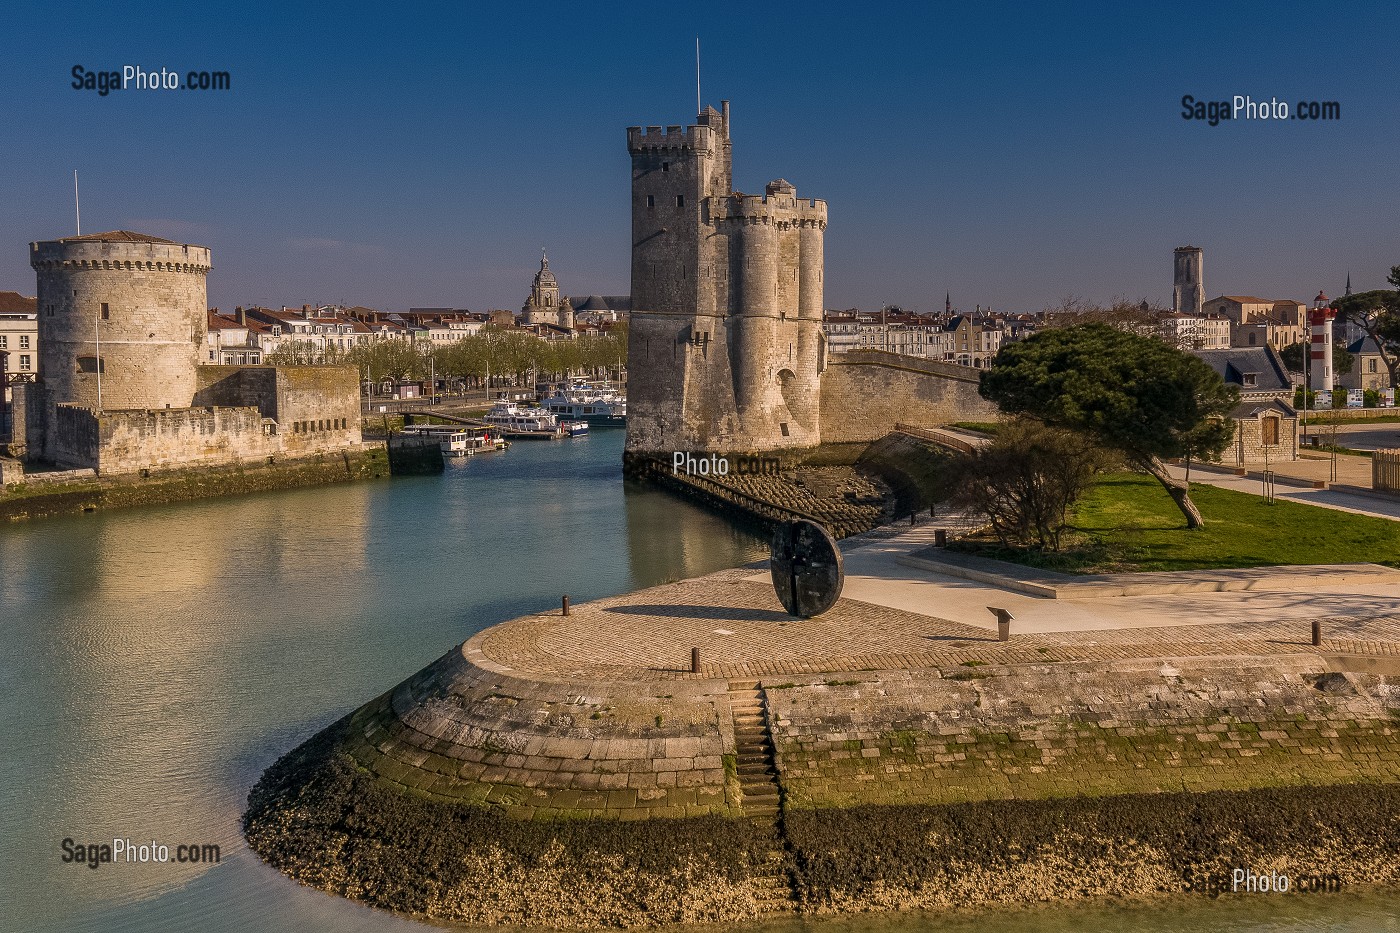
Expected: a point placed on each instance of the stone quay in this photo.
(697, 754)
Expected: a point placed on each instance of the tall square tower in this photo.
(725, 344)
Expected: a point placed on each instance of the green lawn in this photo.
(1126, 522)
(980, 427)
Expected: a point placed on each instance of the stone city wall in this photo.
(317, 408)
(160, 439)
(865, 393)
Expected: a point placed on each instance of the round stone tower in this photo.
(121, 314)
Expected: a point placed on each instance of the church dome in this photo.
(544, 276)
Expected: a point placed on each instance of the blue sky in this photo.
(1010, 155)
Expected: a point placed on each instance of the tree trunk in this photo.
(1179, 491)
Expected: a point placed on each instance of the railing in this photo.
(941, 438)
(1385, 470)
(759, 508)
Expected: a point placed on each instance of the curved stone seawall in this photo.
(465, 730)
(553, 755)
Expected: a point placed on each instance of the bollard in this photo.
(940, 537)
(913, 518)
(1317, 632)
(695, 660)
(1003, 623)
(566, 604)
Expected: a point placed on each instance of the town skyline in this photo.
(1060, 165)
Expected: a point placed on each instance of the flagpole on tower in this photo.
(78, 215)
(697, 74)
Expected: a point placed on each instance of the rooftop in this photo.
(15, 303)
(1264, 363)
(117, 236)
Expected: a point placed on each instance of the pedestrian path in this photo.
(1338, 499)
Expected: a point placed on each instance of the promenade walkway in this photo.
(1375, 505)
(892, 616)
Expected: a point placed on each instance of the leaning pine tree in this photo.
(1134, 394)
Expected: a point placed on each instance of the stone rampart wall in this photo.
(864, 394)
(1060, 730)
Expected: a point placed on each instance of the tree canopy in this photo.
(1127, 392)
(493, 353)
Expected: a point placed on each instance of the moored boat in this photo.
(600, 406)
(514, 420)
(457, 440)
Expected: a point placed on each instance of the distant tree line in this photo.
(496, 356)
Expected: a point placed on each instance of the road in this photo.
(1362, 436)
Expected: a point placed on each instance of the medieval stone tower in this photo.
(1188, 280)
(124, 306)
(725, 349)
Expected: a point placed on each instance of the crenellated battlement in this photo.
(670, 137)
(84, 253)
(762, 208)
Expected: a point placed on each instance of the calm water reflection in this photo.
(154, 661)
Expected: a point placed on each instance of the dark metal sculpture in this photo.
(807, 569)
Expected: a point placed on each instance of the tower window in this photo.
(651, 200)
(106, 311)
(665, 166)
(680, 200)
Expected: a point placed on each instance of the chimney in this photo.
(241, 316)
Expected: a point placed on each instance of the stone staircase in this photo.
(753, 746)
(761, 795)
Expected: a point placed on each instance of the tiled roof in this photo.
(1270, 374)
(15, 303)
(1364, 345)
(117, 236)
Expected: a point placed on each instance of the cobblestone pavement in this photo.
(742, 631)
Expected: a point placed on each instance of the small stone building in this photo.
(1266, 424)
(1368, 369)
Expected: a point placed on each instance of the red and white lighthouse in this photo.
(1320, 347)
